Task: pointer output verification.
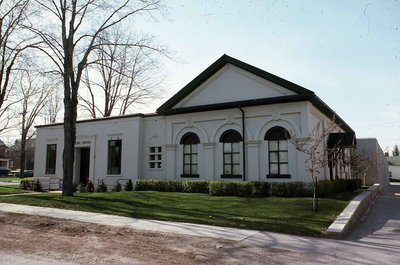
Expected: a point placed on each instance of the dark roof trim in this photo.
(312, 98)
(235, 104)
(345, 140)
(102, 119)
(325, 109)
(215, 67)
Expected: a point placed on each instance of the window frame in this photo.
(190, 140)
(276, 136)
(155, 164)
(231, 138)
(111, 159)
(51, 159)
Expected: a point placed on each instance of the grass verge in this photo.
(285, 215)
(13, 189)
(9, 179)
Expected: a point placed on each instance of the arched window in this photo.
(278, 155)
(231, 153)
(190, 143)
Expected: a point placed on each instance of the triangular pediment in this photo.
(231, 84)
(229, 80)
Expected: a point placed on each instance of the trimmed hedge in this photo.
(291, 189)
(225, 188)
(325, 188)
(190, 186)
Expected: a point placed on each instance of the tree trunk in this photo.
(22, 155)
(315, 195)
(68, 152)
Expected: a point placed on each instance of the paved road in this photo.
(375, 241)
(380, 228)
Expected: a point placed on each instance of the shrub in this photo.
(159, 185)
(82, 187)
(102, 187)
(117, 187)
(196, 186)
(128, 186)
(261, 188)
(37, 186)
(226, 188)
(353, 184)
(26, 184)
(326, 188)
(90, 186)
(291, 189)
(217, 188)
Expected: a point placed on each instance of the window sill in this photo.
(190, 175)
(284, 176)
(154, 169)
(231, 176)
(113, 176)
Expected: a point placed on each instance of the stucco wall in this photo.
(138, 134)
(378, 172)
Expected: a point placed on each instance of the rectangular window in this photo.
(231, 160)
(114, 157)
(190, 160)
(51, 155)
(278, 157)
(155, 157)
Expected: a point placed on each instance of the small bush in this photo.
(217, 188)
(102, 187)
(128, 186)
(90, 186)
(291, 189)
(117, 187)
(196, 186)
(261, 188)
(26, 184)
(82, 187)
(37, 186)
(159, 185)
(226, 188)
(353, 184)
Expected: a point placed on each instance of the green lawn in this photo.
(14, 189)
(10, 179)
(286, 215)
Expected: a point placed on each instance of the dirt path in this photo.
(40, 240)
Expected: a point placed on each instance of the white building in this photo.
(374, 168)
(230, 123)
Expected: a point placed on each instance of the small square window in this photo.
(155, 156)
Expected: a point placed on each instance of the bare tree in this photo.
(34, 90)
(362, 163)
(14, 40)
(122, 75)
(69, 45)
(53, 104)
(317, 153)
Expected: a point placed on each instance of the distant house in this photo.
(394, 166)
(377, 170)
(14, 154)
(232, 122)
(4, 161)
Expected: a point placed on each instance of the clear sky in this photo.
(347, 52)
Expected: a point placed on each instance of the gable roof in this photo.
(215, 67)
(302, 94)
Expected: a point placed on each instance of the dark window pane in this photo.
(51, 156)
(114, 157)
